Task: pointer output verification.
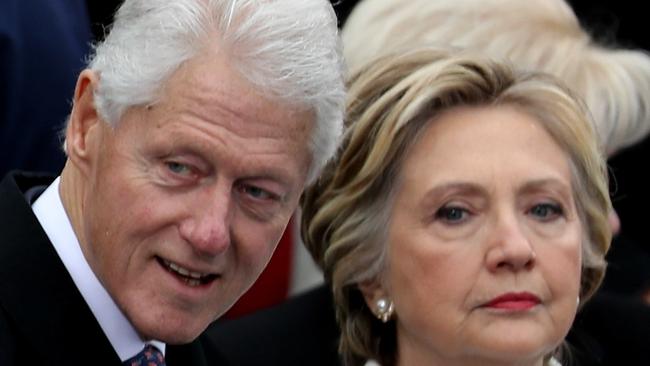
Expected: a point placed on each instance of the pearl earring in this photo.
(385, 309)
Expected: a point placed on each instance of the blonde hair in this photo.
(391, 101)
(541, 35)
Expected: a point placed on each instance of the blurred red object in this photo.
(272, 287)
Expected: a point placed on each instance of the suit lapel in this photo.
(202, 352)
(50, 317)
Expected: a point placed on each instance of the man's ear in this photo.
(84, 124)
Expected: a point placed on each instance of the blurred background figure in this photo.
(615, 83)
(43, 45)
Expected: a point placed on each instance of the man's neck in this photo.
(72, 191)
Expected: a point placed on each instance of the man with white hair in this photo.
(192, 134)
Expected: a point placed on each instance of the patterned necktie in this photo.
(149, 356)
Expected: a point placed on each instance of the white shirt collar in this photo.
(49, 211)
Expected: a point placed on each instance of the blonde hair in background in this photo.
(540, 35)
(391, 101)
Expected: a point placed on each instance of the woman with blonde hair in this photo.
(540, 35)
(464, 221)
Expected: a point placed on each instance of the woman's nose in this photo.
(510, 247)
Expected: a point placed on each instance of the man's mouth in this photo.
(190, 278)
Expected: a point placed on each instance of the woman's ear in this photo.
(377, 299)
(84, 122)
(372, 290)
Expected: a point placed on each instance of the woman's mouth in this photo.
(515, 301)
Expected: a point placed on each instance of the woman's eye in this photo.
(452, 214)
(546, 211)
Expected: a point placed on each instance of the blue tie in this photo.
(149, 356)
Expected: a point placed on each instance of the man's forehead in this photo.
(212, 88)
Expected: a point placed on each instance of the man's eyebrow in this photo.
(186, 145)
(280, 176)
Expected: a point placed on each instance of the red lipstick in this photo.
(518, 301)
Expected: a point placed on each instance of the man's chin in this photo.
(172, 332)
(175, 339)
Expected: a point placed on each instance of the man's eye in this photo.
(452, 214)
(546, 211)
(256, 192)
(178, 168)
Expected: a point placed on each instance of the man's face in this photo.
(186, 200)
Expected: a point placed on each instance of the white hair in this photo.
(541, 35)
(289, 49)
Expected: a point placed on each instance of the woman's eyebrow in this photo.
(454, 187)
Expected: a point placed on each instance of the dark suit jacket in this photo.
(42, 48)
(612, 329)
(43, 317)
(301, 331)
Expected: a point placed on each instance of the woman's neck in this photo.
(412, 353)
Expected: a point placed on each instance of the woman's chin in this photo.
(515, 350)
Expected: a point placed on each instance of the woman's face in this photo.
(484, 246)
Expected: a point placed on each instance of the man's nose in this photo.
(510, 247)
(207, 226)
